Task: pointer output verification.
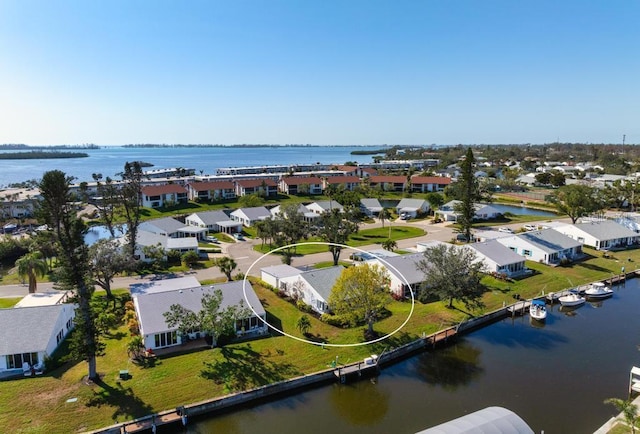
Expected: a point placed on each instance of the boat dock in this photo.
(519, 308)
(368, 367)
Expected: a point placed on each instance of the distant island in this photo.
(154, 145)
(40, 155)
(23, 147)
(372, 152)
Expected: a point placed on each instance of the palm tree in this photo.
(226, 265)
(32, 265)
(383, 215)
(303, 324)
(628, 410)
(389, 245)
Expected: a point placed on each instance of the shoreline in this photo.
(292, 386)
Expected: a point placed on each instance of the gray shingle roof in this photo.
(28, 329)
(371, 204)
(498, 253)
(549, 240)
(212, 217)
(152, 306)
(328, 204)
(414, 204)
(606, 230)
(323, 279)
(405, 267)
(166, 224)
(254, 213)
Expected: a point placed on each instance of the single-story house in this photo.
(307, 215)
(412, 207)
(483, 211)
(601, 235)
(322, 206)
(403, 269)
(31, 334)
(157, 196)
(547, 246)
(498, 258)
(248, 216)
(426, 184)
(150, 308)
(214, 190)
(148, 239)
(213, 221)
(261, 187)
(301, 185)
(313, 286)
(273, 274)
(370, 207)
(170, 227)
(349, 183)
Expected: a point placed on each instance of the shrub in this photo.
(304, 307)
(338, 320)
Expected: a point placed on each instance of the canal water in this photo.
(555, 376)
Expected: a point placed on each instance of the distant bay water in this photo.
(110, 160)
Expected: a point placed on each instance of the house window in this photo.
(69, 324)
(526, 252)
(15, 361)
(166, 339)
(60, 336)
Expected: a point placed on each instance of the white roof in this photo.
(162, 285)
(42, 299)
(281, 271)
(490, 420)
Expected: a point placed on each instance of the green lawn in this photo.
(8, 302)
(362, 238)
(39, 404)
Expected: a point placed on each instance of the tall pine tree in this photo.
(73, 263)
(469, 194)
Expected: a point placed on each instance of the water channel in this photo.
(555, 376)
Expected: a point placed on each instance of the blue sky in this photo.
(319, 72)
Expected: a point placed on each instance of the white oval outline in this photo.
(320, 344)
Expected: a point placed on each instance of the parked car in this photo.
(462, 237)
(238, 236)
(505, 230)
(211, 239)
(405, 216)
(530, 227)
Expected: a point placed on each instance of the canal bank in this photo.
(301, 385)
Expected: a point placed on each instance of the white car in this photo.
(505, 230)
(530, 227)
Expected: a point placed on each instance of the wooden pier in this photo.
(519, 308)
(366, 368)
(442, 337)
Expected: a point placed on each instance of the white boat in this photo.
(598, 290)
(538, 310)
(571, 300)
(9, 227)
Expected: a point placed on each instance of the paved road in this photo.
(245, 256)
